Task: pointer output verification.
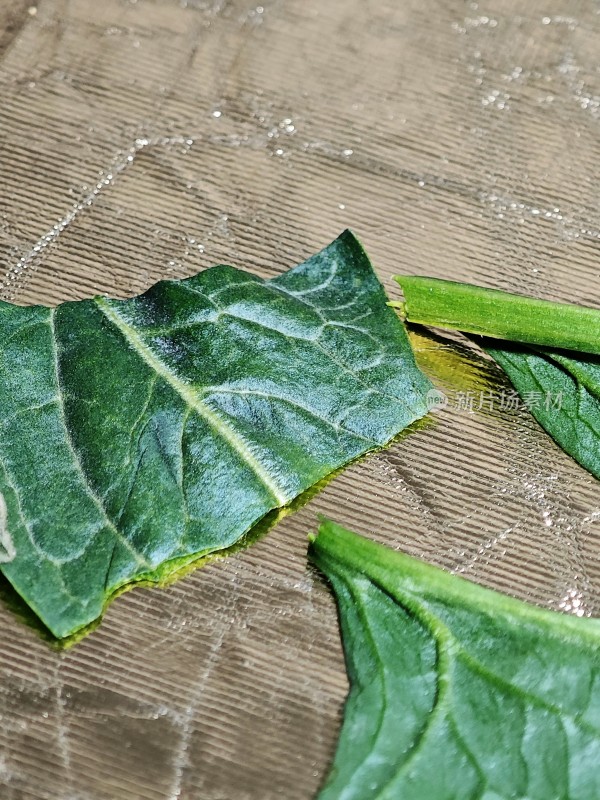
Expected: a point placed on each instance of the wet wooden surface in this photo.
(145, 138)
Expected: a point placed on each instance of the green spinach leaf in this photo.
(457, 691)
(561, 387)
(138, 434)
(562, 393)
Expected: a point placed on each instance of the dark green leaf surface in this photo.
(137, 433)
(563, 394)
(457, 692)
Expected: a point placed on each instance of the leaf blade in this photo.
(569, 398)
(142, 432)
(517, 687)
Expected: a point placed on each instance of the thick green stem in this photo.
(500, 315)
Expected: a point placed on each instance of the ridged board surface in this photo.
(151, 139)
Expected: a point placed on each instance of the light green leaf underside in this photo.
(136, 434)
(457, 692)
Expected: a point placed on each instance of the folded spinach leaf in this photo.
(137, 434)
(456, 691)
(551, 356)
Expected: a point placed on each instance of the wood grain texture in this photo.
(157, 137)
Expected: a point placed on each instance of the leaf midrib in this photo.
(191, 399)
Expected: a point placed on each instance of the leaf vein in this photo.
(189, 395)
(267, 395)
(140, 559)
